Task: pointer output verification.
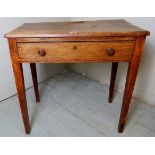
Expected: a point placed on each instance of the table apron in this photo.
(75, 52)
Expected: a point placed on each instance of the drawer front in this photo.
(75, 51)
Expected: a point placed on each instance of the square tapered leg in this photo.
(35, 80)
(130, 82)
(19, 79)
(112, 81)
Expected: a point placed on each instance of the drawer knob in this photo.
(110, 51)
(42, 52)
(74, 47)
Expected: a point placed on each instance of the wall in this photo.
(7, 84)
(145, 85)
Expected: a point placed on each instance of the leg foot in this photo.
(18, 73)
(130, 82)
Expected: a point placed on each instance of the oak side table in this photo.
(74, 42)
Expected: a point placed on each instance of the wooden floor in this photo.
(73, 105)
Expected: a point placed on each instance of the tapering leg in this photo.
(112, 80)
(35, 81)
(19, 79)
(130, 82)
(18, 74)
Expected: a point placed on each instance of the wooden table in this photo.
(74, 42)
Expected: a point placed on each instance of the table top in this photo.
(107, 28)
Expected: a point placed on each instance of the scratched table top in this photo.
(77, 29)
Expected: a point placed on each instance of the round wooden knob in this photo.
(74, 47)
(110, 51)
(42, 52)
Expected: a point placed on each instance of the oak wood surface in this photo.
(79, 28)
(130, 81)
(78, 39)
(35, 81)
(19, 79)
(84, 52)
(112, 80)
(73, 42)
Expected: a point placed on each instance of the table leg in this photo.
(130, 82)
(35, 81)
(18, 73)
(112, 80)
(19, 79)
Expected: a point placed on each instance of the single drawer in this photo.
(70, 52)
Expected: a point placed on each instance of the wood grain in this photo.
(74, 42)
(112, 81)
(74, 29)
(130, 82)
(84, 52)
(35, 81)
(73, 39)
(19, 79)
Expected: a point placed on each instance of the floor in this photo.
(75, 106)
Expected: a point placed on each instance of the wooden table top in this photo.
(77, 29)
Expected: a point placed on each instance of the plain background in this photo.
(145, 85)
